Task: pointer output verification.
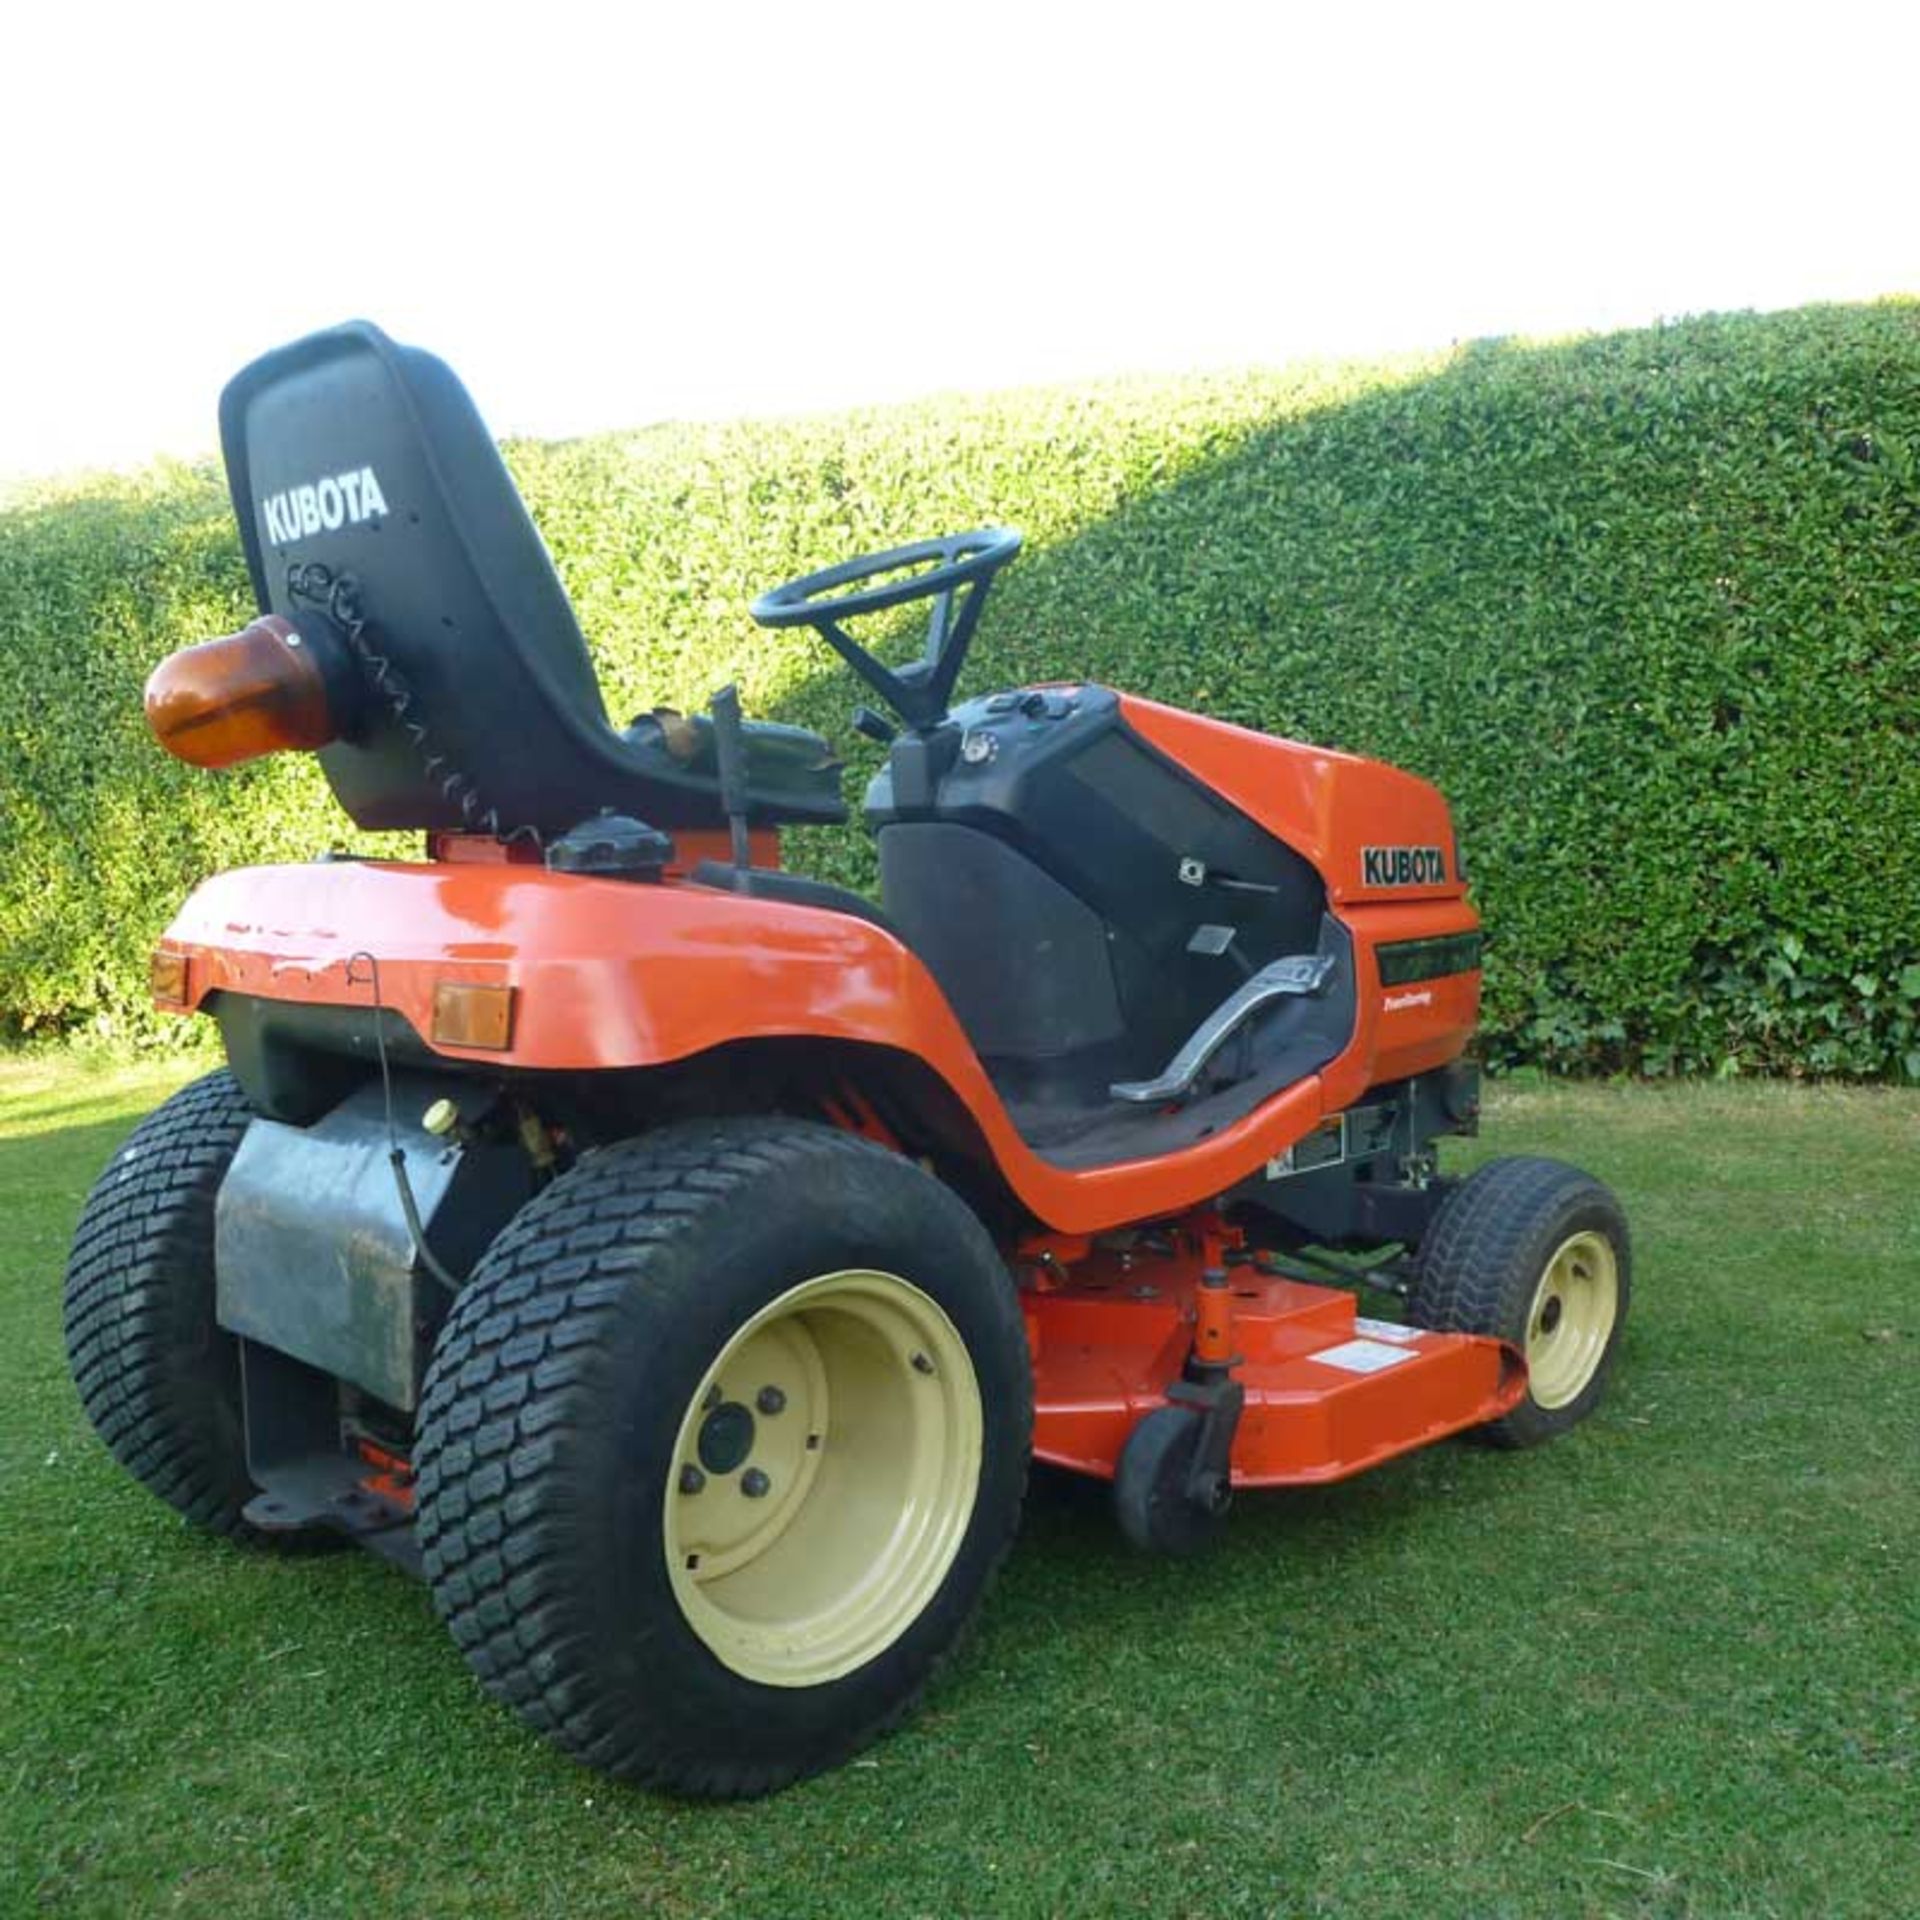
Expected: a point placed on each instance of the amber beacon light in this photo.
(257, 691)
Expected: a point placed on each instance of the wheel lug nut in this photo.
(691, 1479)
(921, 1364)
(770, 1400)
(754, 1484)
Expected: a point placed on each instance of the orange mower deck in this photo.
(1329, 1392)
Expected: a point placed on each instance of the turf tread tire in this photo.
(516, 1452)
(158, 1378)
(1482, 1258)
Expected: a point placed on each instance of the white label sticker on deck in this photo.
(1362, 1356)
(1383, 1329)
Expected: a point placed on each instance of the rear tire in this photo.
(1536, 1253)
(720, 1449)
(158, 1376)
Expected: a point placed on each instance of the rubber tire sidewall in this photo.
(157, 1375)
(690, 1721)
(1482, 1260)
(1149, 1486)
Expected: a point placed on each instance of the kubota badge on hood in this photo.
(341, 499)
(1403, 866)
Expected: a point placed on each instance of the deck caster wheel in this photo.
(1533, 1252)
(720, 1449)
(1156, 1500)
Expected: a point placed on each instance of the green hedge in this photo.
(1647, 607)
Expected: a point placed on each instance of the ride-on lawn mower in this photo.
(677, 1260)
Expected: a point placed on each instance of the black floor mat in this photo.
(1068, 1117)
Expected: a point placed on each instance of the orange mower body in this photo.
(594, 1197)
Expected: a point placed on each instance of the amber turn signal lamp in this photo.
(257, 691)
(466, 1015)
(167, 978)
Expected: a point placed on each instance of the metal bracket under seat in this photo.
(1297, 976)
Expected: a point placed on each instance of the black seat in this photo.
(783, 763)
(368, 490)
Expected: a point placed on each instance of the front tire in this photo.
(720, 1449)
(1536, 1253)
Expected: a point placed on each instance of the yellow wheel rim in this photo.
(1571, 1318)
(823, 1478)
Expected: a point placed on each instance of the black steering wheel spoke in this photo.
(960, 638)
(954, 573)
(938, 616)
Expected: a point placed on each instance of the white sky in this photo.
(609, 215)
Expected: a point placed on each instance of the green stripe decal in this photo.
(1404, 961)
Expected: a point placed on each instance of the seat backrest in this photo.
(351, 458)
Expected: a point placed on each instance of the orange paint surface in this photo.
(612, 973)
(1328, 806)
(617, 974)
(1113, 1336)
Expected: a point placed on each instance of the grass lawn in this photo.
(1669, 1666)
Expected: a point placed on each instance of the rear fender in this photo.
(604, 974)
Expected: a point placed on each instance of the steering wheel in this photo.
(953, 572)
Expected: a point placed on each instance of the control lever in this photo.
(730, 755)
(1298, 975)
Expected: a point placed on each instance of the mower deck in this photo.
(1329, 1392)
